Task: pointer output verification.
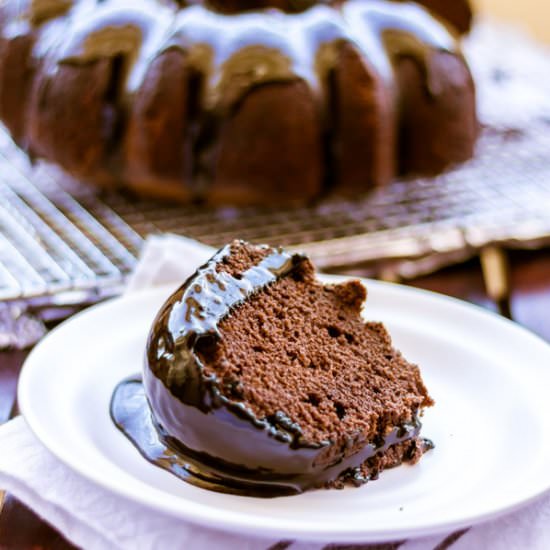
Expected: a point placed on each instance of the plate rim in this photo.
(195, 512)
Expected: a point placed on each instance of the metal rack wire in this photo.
(61, 242)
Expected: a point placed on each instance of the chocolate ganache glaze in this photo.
(131, 413)
(181, 419)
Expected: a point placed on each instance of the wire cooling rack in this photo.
(57, 237)
(63, 243)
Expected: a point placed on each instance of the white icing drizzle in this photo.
(235, 52)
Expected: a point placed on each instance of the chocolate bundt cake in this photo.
(281, 102)
(264, 381)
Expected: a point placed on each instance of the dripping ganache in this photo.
(181, 418)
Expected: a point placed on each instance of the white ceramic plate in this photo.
(491, 423)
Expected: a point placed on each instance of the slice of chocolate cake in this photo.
(264, 381)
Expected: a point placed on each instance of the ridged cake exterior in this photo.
(187, 102)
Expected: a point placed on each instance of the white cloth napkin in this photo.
(93, 518)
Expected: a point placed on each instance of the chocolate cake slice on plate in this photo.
(262, 380)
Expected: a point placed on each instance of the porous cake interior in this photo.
(300, 350)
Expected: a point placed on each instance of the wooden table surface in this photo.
(530, 306)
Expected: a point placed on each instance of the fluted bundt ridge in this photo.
(280, 104)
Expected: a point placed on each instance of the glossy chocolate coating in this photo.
(131, 413)
(206, 437)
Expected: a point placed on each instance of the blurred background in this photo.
(532, 15)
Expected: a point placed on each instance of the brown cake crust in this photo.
(158, 99)
(16, 76)
(363, 141)
(239, 6)
(438, 126)
(72, 118)
(158, 141)
(250, 139)
(458, 12)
